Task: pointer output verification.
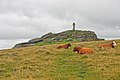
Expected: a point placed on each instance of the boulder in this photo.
(36, 40)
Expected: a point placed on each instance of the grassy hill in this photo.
(48, 63)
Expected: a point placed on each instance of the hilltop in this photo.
(65, 36)
(48, 63)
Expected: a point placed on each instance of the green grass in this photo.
(48, 63)
(51, 42)
(69, 66)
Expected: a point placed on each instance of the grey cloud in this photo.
(24, 19)
(10, 43)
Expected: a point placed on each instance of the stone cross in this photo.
(73, 26)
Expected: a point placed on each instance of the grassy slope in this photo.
(49, 63)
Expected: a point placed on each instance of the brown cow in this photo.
(65, 46)
(108, 45)
(83, 50)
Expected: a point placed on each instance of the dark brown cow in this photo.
(65, 46)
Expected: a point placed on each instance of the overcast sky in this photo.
(27, 19)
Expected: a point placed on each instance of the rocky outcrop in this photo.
(69, 35)
(33, 41)
(25, 44)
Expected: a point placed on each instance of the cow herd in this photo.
(83, 50)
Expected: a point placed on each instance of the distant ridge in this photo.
(69, 35)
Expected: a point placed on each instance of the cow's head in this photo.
(69, 44)
(76, 49)
(113, 44)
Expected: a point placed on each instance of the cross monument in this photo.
(73, 26)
